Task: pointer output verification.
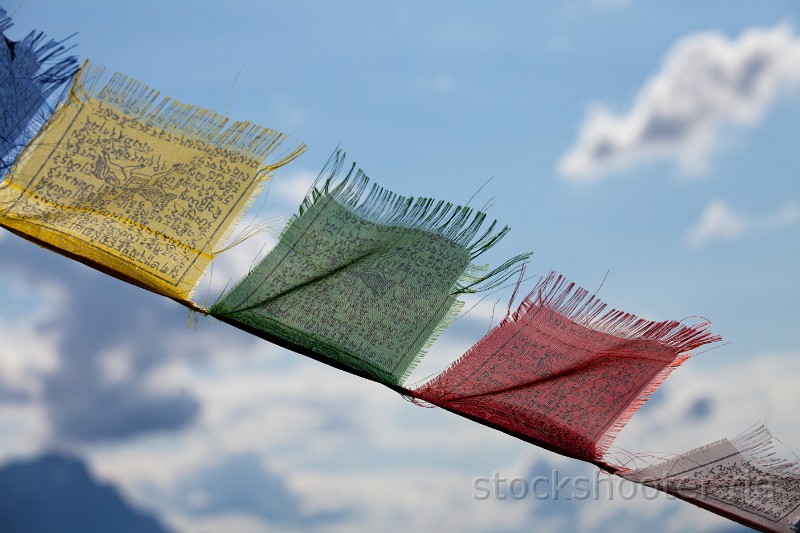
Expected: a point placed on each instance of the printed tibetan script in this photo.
(131, 195)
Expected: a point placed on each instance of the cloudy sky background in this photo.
(655, 142)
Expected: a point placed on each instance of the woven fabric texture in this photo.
(562, 373)
(144, 188)
(742, 479)
(363, 279)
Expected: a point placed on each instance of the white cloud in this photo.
(234, 264)
(24, 430)
(720, 222)
(288, 189)
(706, 82)
(115, 366)
(742, 393)
(26, 352)
(292, 187)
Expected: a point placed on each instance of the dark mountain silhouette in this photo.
(57, 494)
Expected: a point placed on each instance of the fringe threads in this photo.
(578, 305)
(138, 100)
(556, 293)
(55, 69)
(459, 224)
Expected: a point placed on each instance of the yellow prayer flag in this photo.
(143, 188)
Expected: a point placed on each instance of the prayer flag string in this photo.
(148, 190)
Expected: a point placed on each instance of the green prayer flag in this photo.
(364, 281)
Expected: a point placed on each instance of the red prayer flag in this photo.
(562, 374)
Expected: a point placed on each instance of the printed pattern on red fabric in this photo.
(562, 374)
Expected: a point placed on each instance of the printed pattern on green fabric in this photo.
(364, 283)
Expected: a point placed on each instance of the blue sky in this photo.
(653, 141)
